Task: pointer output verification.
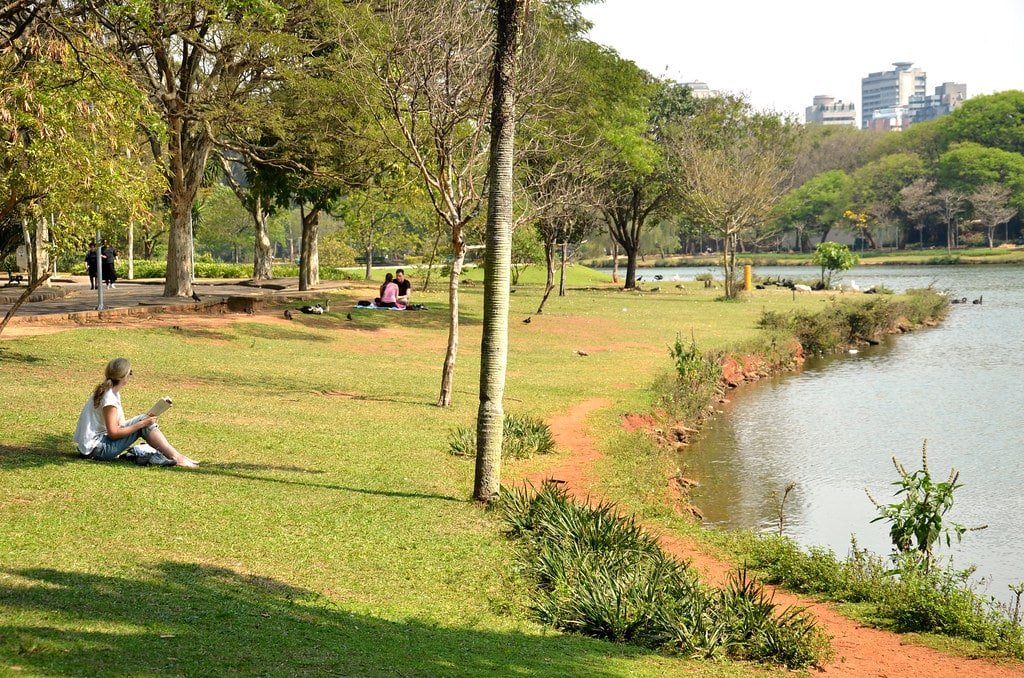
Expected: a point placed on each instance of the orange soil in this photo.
(860, 650)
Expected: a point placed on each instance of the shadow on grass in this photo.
(8, 356)
(47, 450)
(189, 619)
(232, 470)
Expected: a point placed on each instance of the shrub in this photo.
(523, 436)
(697, 380)
(600, 574)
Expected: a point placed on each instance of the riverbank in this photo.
(1007, 254)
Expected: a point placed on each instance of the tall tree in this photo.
(431, 63)
(991, 208)
(734, 165)
(815, 205)
(509, 17)
(260, 208)
(201, 63)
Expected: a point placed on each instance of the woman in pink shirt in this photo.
(388, 293)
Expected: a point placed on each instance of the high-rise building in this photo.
(827, 111)
(948, 96)
(890, 89)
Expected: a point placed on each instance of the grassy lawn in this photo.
(327, 531)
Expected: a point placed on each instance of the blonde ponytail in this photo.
(117, 369)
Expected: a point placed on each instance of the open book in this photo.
(160, 406)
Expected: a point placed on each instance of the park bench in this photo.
(13, 278)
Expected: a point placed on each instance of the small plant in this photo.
(916, 522)
(781, 504)
(523, 436)
(832, 257)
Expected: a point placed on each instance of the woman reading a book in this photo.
(102, 431)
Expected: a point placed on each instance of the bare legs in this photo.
(157, 439)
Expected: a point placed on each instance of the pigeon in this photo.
(288, 314)
(348, 316)
(655, 289)
(195, 297)
(527, 321)
(582, 353)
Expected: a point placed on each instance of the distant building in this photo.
(891, 119)
(948, 96)
(890, 89)
(700, 90)
(827, 111)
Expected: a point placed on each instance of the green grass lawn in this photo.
(327, 531)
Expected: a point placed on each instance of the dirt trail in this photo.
(860, 650)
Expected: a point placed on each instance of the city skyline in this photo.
(783, 54)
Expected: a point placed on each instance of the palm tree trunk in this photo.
(494, 343)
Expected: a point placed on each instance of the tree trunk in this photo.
(263, 258)
(368, 275)
(40, 253)
(494, 342)
(615, 261)
(631, 255)
(131, 250)
(448, 370)
(561, 273)
(549, 259)
(430, 263)
(309, 262)
(178, 281)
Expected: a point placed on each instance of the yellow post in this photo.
(748, 277)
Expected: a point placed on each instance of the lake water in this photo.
(833, 427)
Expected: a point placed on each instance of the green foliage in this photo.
(832, 257)
(523, 437)
(907, 598)
(846, 323)
(698, 378)
(601, 574)
(916, 522)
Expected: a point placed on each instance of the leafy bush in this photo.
(523, 436)
(601, 574)
(697, 380)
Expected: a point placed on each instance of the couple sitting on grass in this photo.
(394, 293)
(104, 435)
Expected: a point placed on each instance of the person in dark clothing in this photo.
(107, 256)
(404, 286)
(90, 265)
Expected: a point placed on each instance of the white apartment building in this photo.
(948, 96)
(890, 89)
(827, 111)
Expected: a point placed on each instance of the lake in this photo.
(833, 427)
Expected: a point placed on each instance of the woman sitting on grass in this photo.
(102, 432)
(388, 293)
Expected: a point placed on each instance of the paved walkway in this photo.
(69, 298)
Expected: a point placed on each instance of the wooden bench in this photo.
(13, 278)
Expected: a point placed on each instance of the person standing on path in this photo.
(108, 255)
(90, 265)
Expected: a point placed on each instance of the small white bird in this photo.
(854, 287)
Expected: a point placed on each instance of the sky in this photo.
(781, 53)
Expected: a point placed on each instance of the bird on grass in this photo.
(528, 321)
(582, 353)
(316, 309)
(288, 314)
(348, 316)
(195, 297)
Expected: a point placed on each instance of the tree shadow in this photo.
(8, 356)
(47, 450)
(189, 619)
(232, 470)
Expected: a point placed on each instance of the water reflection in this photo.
(834, 427)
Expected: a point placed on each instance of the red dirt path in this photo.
(860, 650)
